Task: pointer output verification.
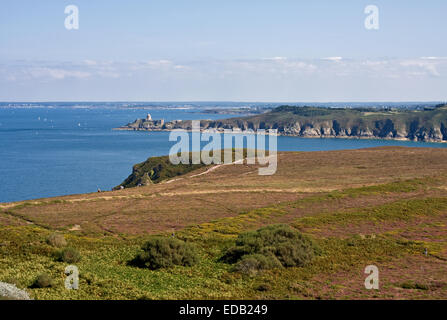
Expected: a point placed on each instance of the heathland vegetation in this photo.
(307, 232)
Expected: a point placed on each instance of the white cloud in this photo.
(276, 58)
(434, 58)
(57, 73)
(180, 67)
(90, 62)
(420, 66)
(333, 58)
(268, 79)
(262, 69)
(158, 63)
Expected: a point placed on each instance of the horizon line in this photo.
(218, 101)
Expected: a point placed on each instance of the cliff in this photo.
(155, 170)
(421, 125)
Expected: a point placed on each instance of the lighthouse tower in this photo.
(149, 118)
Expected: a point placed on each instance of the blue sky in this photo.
(245, 50)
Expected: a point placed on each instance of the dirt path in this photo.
(241, 161)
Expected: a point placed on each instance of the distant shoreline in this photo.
(427, 125)
(286, 135)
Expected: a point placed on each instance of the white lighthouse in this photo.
(149, 118)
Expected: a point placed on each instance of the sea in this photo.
(56, 149)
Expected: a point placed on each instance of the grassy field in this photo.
(381, 206)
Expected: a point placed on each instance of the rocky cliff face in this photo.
(333, 129)
(427, 126)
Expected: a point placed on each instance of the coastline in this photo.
(311, 122)
(116, 194)
(287, 135)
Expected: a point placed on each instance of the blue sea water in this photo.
(48, 152)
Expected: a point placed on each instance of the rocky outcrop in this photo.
(11, 292)
(427, 126)
(155, 125)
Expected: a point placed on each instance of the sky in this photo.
(232, 50)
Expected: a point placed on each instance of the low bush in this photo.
(252, 263)
(161, 252)
(69, 255)
(414, 285)
(43, 281)
(271, 247)
(56, 240)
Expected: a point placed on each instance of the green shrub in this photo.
(414, 285)
(56, 240)
(160, 252)
(69, 255)
(271, 247)
(43, 281)
(252, 263)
